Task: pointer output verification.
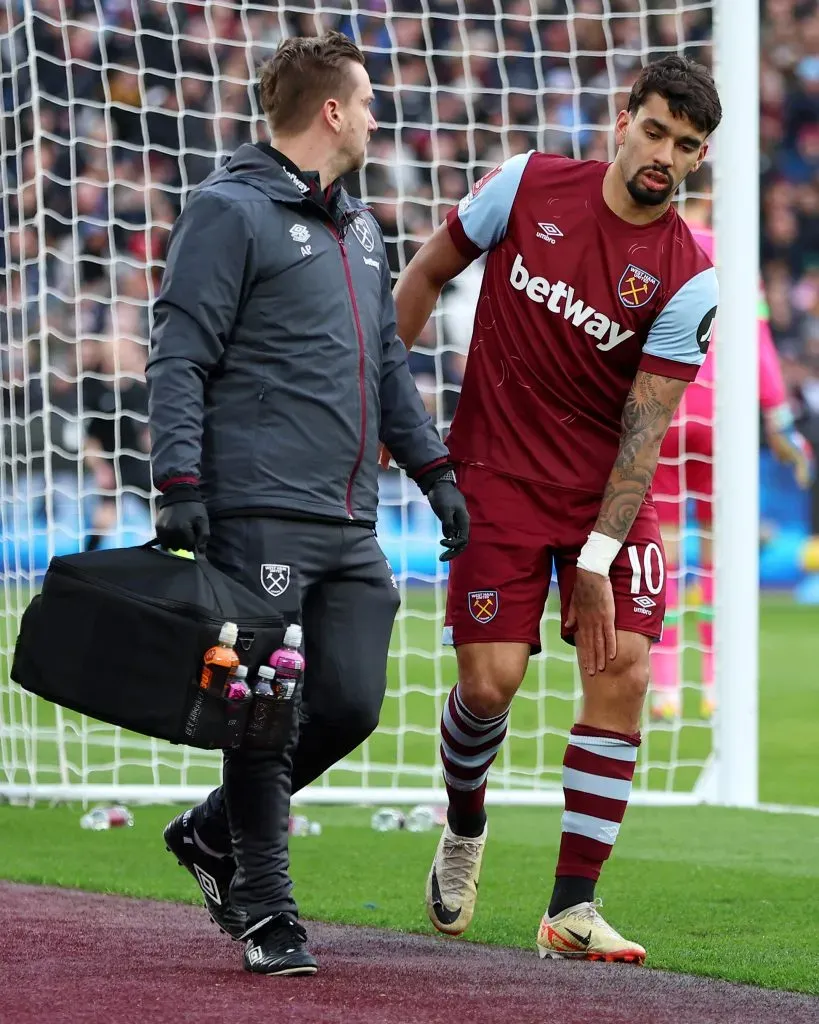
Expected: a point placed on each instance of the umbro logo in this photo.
(644, 605)
(207, 884)
(608, 833)
(372, 263)
(549, 232)
(255, 955)
(299, 233)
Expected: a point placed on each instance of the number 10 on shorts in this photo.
(646, 569)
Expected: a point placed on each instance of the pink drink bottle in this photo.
(288, 664)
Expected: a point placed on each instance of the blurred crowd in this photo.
(133, 102)
(789, 138)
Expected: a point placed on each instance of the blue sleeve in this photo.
(682, 331)
(484, 213)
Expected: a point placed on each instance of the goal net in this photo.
(112, 111)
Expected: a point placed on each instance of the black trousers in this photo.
(335, 580)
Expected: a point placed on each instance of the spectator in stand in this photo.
(456, 93)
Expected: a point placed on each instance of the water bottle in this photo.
(220, 660)
(421, 819)
(236, 687)
(263, 684)
(298, 825)
(387, 819)
(101, 818)
(288, 664)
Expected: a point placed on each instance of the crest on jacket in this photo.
(275, 578)
(363, 232)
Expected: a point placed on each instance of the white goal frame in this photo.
(731, 775)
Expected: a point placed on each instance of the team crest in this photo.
(637, 287)
(483, 605)
(275, 578)
(364, 234)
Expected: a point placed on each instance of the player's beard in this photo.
(649, 196)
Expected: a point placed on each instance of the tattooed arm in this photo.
(650, 406)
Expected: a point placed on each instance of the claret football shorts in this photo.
(519, 533)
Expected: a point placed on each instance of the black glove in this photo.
(449, 505)
(182, 520)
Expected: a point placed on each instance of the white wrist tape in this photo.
(598, 553)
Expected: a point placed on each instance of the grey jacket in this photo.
(275, 367)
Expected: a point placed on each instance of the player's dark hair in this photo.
(686, 86)
(303, 73)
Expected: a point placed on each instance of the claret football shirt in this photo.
(574, 302)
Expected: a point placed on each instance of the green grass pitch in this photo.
(725, 893)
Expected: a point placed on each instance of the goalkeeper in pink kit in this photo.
(595, 312)
(686, 469)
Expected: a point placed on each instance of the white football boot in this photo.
(580, 933)
(452, 885)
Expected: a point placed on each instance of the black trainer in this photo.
(277, 945)
(211, 871)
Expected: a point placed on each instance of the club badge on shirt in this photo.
(637, 286)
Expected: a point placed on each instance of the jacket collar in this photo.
(279, 178)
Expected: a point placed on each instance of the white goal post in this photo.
(112, 111)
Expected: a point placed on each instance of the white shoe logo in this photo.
(255, 955)
(207, 884)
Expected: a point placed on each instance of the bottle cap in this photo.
(240, 672)
(266, 672)
(229, 634)
(293, 635)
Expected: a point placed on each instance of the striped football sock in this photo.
(597, 773)
(469, 745)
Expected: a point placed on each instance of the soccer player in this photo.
(686, 462)
(595, 313)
